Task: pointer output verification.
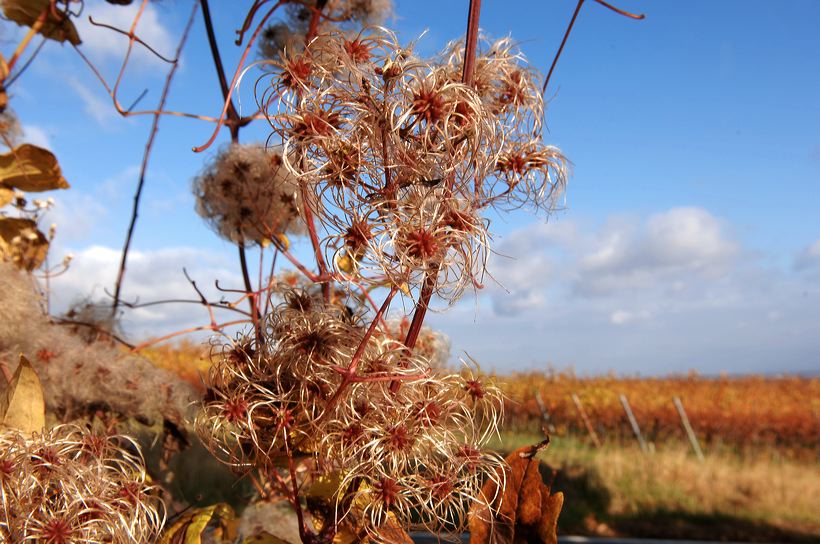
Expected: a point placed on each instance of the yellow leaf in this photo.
(4, 68)
(325, 486)
(264, 538)
(26, 13)
(188, 528)
(22, 243)
(21, 403)
(345, 263)
(346, 535)
(6, 196)
(31, 168)
(284, 241)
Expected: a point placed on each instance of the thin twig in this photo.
(237, 73)
(471, 42)
(35, 28)
(135, 38)
(25, 66)
(146, 156)
(569, 30)
(189, 330)
(125, 113)
(220, 69)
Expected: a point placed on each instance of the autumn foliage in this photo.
(741, 412)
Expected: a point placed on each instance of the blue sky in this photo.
(690, 239)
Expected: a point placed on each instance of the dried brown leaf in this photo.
(22, 243)
(188, 528)
(6, 196)
(57, 25)
(31, 168)
(524, 511)
(21, 402)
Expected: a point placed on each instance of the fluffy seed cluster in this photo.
(433, 345)
(248, 196)
(288, 35)
(70, 485)
(403, 159)
(403, 443)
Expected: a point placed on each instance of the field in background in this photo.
(619, 490)
(759, 479)
(779, 414)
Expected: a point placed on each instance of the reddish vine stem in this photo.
(471, 42)
(304, 533)
(149, 145)
(221, 120)
(569, 30)
(418, 317)
(252, 296)
(234, 127)
(420, 312)
(349, 373)
(233, 116)
(354, 363)
(314, 240)
(313, 29)
(132, 36)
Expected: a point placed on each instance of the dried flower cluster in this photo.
(433, 345)
(289, 35)
(70, 485)
(247, 195)
(402, 158)
(325, 385)
(396, 161)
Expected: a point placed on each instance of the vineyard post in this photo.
(592, 434)
(545, 415)
(634, 423)
(688, 427)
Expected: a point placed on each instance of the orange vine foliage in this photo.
(742, 412)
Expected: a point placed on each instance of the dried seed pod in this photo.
(247, 195)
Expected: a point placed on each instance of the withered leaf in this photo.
(524, 511)
(6, 196)
(31, 168)
(22, 243)
(21, 402)
(57, 26)
(190, 526)
(264, 538)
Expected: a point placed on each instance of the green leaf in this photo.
(26, 13)
(22, 243)
(31, 168)
(21, 403)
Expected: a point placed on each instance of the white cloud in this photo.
(666, 249)
(150, 275)
(36, 135)
(99, 108)
(76, 214)
(808, 260)
(103, 44)
(624, 317)
(668, 292)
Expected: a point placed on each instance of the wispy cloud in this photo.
(104, 45)
(151, 275)
(100, 109)
(670, 291)
(36, 135)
